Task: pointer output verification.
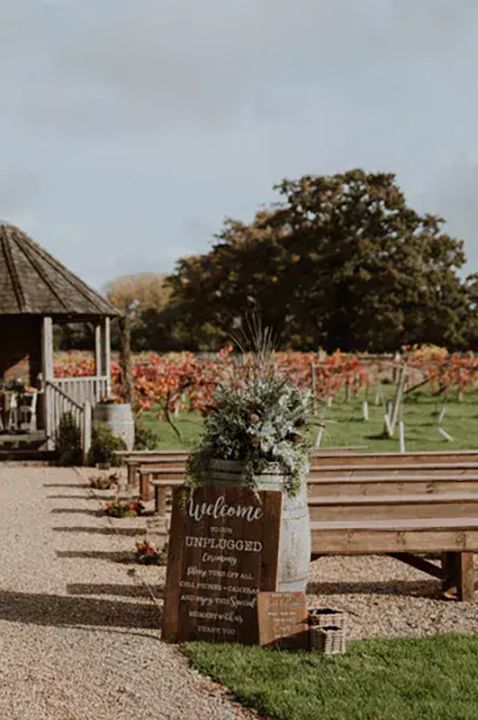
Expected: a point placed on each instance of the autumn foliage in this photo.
(187, 382)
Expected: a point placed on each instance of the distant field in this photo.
(344, 424)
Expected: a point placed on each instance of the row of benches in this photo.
(404, 505)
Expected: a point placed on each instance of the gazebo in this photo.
(36, 292)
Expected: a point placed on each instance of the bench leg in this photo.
(458, 574)
(144, 486)
(465, 576)
(132, 478)
(160, 498)
(448, 561)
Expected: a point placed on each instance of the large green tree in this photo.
(340, 261)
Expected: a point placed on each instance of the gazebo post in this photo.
(47, 375)
(105, 352)
(98, 361)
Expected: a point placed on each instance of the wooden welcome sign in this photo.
(223, 550)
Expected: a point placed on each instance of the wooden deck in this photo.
(24, 446)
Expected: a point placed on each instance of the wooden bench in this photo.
(137, 462)
(455, 539)
(133, 459)
(420, 474)
(404, 508)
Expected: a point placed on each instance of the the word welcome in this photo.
(220, 509)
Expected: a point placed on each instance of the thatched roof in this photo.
(32, 282)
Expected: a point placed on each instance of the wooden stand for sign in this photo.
(283, 621)
(223, 550)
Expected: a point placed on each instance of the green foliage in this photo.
(257, 419)
(103, 446)
(68, 441)
(433, 678)
(77, 336)
(145, 436)
(342, 261)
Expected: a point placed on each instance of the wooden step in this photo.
(384, 536)
(386, 507)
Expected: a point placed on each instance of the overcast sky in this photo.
(130, 128)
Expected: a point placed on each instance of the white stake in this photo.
(445, 434)
(319, 437)
(442, 414)
(401, 430)
(365, 410)
(388, 426)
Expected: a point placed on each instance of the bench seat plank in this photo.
(435, 457)
(399, 486)
(422, 536)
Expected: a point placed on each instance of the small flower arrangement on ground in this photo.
(103, 482)
(123, 508)
(147, 553)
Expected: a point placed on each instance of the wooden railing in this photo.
(83, 389)
(58, 403)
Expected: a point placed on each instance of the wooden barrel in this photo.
(295, 538)
(119, 419)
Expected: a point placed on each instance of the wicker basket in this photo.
(325, 617)
(329, 640)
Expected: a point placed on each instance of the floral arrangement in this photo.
(103, 482)
(257, 418)
(123, 508)
(147, 553)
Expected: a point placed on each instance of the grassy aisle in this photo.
(434, 678)
(344, 425)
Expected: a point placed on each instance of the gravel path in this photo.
(385, 597)
(79, 637)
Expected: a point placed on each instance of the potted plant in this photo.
(117, 416)
(256, 434)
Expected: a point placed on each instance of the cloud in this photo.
(130, 130)
(455, 196)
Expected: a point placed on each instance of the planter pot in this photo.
(295, 540)
(119, 419)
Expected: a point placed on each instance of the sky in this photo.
(130, 130)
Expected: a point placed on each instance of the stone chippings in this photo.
(383, 597)
(79, 637)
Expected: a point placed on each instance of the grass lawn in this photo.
(344, 425)
(410, 679)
